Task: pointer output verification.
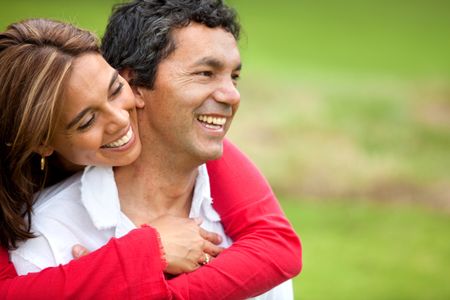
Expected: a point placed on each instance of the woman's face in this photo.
(98, 123)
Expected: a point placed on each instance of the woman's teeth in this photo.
(122, 141)
(220, 121)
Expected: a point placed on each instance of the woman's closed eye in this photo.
(87, 123)
(117, 89)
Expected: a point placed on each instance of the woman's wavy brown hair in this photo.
(35, 61)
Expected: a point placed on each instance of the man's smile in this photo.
(212, 122)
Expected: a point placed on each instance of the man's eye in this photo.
(235, 78)
(88, 123)
(205, 73)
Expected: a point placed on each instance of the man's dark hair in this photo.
(138, 35)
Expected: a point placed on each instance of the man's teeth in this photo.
(212, 120)
(122, 141)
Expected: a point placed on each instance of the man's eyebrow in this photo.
(209, 61)
(214, 63)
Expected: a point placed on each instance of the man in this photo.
(182, 60)
(189, 91)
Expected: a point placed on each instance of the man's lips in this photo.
(212, 122)
(212, 119)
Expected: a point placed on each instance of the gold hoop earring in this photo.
(42, 163)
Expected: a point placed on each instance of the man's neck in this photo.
(157, 183)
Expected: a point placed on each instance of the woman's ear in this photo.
(44, 150)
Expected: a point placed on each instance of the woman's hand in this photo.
(185, 244)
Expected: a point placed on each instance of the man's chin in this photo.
(215, 153)
(217, 156)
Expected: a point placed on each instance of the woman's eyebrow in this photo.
(113, 79)
(80, 115)
(77, 118)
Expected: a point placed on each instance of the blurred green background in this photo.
(346, 109)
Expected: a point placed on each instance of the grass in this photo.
(348, 98)
(365, 250)
(360, 137)
(399, 37)
(92, 15)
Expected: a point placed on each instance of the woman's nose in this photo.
(118, 118)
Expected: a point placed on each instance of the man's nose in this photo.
(227, 92)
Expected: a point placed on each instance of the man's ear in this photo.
(128, 75)
(138, 96)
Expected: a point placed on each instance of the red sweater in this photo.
(265, 252)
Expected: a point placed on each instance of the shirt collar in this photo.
(201, 201)
(100, 197)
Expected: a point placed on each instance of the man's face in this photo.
(194, 98)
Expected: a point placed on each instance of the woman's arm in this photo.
(265, 252)
(130, 267)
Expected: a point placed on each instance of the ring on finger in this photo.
(207, 259)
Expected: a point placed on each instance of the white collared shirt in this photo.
(85, 209)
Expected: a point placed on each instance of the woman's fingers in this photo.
(79, 251)
(211, 249)
(211, 236)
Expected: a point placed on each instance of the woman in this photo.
(44, 70)
(122, 139)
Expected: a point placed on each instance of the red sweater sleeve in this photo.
(126, 268)
(265, 252)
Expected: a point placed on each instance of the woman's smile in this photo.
(124, 140)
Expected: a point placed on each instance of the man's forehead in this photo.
(204, 45)
(196, 32)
